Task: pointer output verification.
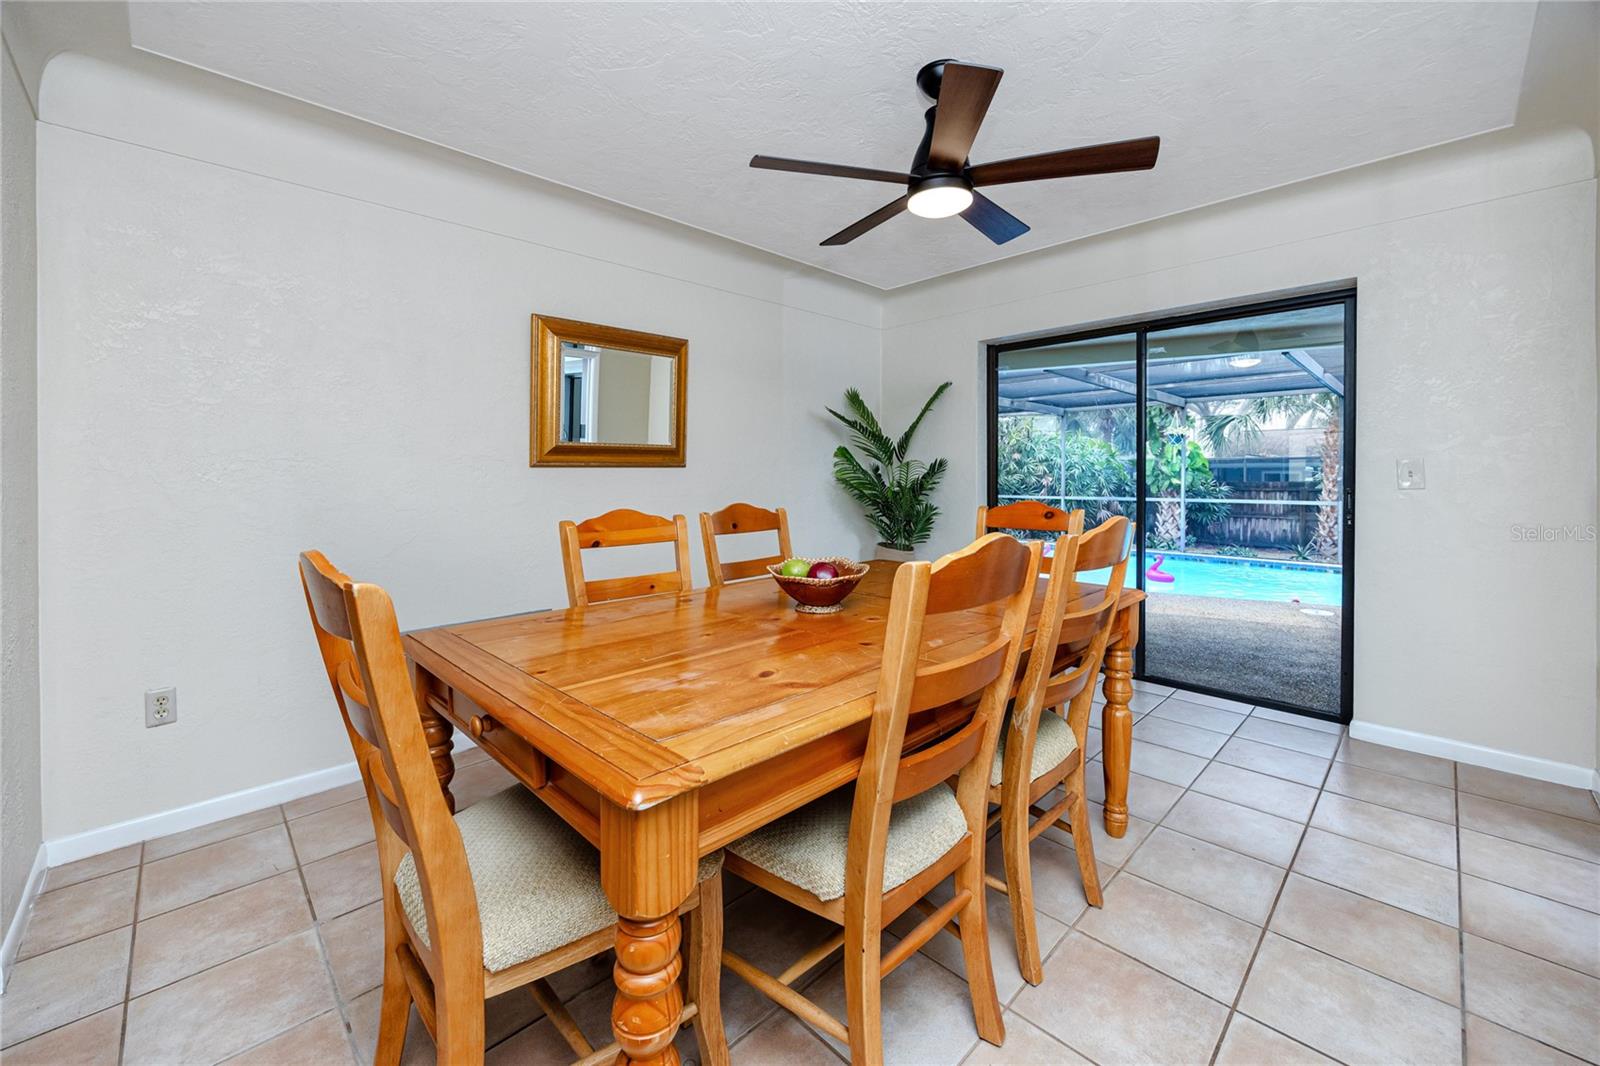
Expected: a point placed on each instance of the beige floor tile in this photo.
(92, 1041)
(330, 831)
(61, 986)
(320, 1042)
(1057, 884)
(1108, 850)
(772, 934)
(321, 801)
(1293, 737)
(1249, 1043)
(1286, 799)
(1201, 698)
(1241, 886)
(181, 942)
(1154, 688)
(1243, 829)
(78, 912)
(1491, 1045)
(231, 1007)
(1026, 1045)
(927, 1013)
(191, 876)
(946, 950)
(1093, 742)
(1274, 761)
(1553, 832)
(1179, 736)
(200, 836)
(354, 943)
(1119, 1010)
(1401, 793)
(418, 1049)
(1409, 834)
(1389, 760)
(1330, 1005)
(466, 752)
(1302, 721)
(1147, 798)
(1550, 1003)
(1387, 876)
(506, 1014)
(1557, 877)
(1204, 948)
(1533, 924)
(94, 866)
(1212, 718)
(1165, 764)
(1527, 792)
(783, 1039)
(478, 781)
(1143, 702)
(1415, 951)
(341, 883)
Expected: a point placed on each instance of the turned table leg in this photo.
(436, 729)
(647, 868)
(1116, 720)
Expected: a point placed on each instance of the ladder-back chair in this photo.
(742, 518)
(1030, 515)
(616, 529)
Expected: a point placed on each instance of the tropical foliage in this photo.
(894, 491)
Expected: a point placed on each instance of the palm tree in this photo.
(1302, 410)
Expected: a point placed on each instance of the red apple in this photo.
(823, 570)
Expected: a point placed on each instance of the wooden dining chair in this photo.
(500, 895)
(742, 518)
(1029, 515)
(864, 854)
(616, 529)
(1040, 749)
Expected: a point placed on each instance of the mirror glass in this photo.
(609, 396)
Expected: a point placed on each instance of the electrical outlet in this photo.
(160, 707)
(1410, 474)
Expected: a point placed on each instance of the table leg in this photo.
(436, 729)
(647, 868)
(1116, 720)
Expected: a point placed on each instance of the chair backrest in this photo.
(1073, 631)
(993, 578)
(742, 518)
(1030, 515)
(615, 529)
(360, 642)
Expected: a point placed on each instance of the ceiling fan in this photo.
(942, 182)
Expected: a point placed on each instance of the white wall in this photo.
(264, 330)
(19, 499)
(1476, 350)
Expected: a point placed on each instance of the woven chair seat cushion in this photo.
(1054, 742)
(537, 880)
(808, 847)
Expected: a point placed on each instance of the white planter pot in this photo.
(894, 554)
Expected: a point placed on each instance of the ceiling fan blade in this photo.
(831, 170)
(964, 95)
(992, 220)
(1137, 154)
(877, 218)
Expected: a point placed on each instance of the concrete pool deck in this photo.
(1261, 650)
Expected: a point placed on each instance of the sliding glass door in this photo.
(1229, 435)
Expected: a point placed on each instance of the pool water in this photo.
(1242, 579)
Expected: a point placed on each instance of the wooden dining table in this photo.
(665, 727)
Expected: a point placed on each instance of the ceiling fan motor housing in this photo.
(931, 76)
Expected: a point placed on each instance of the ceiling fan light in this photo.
(940, 198)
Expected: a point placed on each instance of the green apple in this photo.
(794, 568)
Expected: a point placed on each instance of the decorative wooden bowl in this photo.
(821, 595)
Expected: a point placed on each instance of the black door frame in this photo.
(1141, 328)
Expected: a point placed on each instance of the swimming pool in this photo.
(1244, 579)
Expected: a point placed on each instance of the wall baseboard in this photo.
(1560, 773)
(109, 838)
(19, 920)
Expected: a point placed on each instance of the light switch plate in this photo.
(1410, 474)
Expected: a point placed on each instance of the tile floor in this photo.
(1284, 894)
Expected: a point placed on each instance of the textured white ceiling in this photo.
(660, 106)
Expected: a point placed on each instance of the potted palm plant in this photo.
(894, 491)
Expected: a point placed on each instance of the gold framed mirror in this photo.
(605, 396)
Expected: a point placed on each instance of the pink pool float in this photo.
(1155, 573)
